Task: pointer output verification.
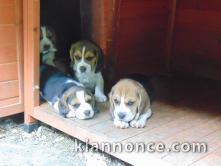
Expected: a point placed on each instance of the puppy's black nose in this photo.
(82, 69)
(87, 112)
(46, 47)
(121, 115)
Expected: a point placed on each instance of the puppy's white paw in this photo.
(137, 124)
(100, 97)
(121, 124)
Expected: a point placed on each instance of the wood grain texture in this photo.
(8, 34)
(140, 36)
(9, 101)
(4, 3)
(197, 38)
(8, 53)
(11, 57)
(9, 89)
(9, 71)
(31, 26)
(11, 110)
(7, 15)
(180, 114)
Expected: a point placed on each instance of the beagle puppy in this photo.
(67, 96)
(47, 45)
(129, 104)
(86, 63)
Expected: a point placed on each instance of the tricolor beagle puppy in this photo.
(129, 104)
(47, 46)
(66, 95)
(86, 62)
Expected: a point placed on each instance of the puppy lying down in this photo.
(66, 95)
(129, 104)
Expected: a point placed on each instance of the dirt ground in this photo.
(44, 147)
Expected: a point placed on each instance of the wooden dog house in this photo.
(150, 37)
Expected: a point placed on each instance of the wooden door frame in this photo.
(31, 27)
(31, 17)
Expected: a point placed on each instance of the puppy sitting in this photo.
(66, 95)
(129, 104)
(86, 62)
(47, 46)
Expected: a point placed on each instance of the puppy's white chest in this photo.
(88, 80)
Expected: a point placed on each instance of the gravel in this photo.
(44, 147)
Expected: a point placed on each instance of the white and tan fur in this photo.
(84, 106)
(91, 77)
(69, 98)
(47, 46)
(129, 104)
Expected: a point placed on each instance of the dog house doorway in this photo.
(169, 122)
(90, 17)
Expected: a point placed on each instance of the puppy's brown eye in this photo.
(76, 105)
(89, 58)
(116, 101)
(77, 58)
(130, 103)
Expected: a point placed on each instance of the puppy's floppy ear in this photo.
(93, 103)
(111, 101)
(63, 106)
(72, 50)
(144, 100)
(100, 59)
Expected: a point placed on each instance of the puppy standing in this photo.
(129, 104)
(86, 62)
(47, 46)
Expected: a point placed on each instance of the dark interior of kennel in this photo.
(65, 20)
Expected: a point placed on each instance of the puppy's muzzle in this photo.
(121, 115)
(83, 69)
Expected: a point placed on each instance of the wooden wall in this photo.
(11, 57)
(141, 36)
(160, 36)
(197, 38)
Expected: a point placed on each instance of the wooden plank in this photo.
(213, 159)
(10, 101)
(147, 37)
(194, 133)
(11, 110)
(73, 128)
(31, 16)
(8, 34)
(7, 2)
(48, 115)
(162, 115)
(8, 53)
(9, 71)
(178, 124)
(170, 38)
(198, 20)
(9, 89)
(143, 8)
(7, 15)
(212, 140)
